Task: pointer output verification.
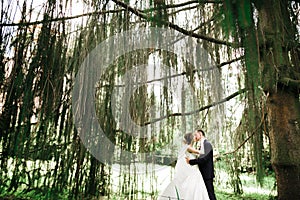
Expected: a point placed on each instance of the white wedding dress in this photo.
(188, 183)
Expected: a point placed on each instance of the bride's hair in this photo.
(188, 138)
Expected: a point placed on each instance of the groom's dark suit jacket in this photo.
(205, 161)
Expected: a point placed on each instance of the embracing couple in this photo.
(194, 170)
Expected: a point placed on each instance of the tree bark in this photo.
(276, 46)
(283, 111)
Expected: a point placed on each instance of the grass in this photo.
(251, 189)
(224, 190)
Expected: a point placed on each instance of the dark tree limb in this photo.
(187, 3)
(207, 107)
(191, 33)
(246, 140)
(137, 12)
(60, 18)
(290, 82)
(214, 67)
(200, 109)
(183, 9)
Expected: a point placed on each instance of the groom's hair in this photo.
(201, 131)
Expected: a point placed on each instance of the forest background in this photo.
(229, 67)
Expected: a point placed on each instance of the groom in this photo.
(205, 163)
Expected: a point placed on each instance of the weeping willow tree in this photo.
(43, 47)
(269, 36)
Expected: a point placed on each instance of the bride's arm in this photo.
(204, 157)
(193, 150)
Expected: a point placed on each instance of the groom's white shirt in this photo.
(202, 146)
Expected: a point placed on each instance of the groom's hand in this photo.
(187, 159)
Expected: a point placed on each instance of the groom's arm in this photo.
(204, 157)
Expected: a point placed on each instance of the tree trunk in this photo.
(277, 44)
(283, 117)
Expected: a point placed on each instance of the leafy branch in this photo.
(60, 18)
(141, 14)
(246, 140)
(241, 91)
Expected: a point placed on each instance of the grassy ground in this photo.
(251, 189)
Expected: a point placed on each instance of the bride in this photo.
(188, 183)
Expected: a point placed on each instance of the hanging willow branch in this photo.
(61, 18)
(183, 73)
(139, 13)
(246, 140)
(97, 13)
(200, 109)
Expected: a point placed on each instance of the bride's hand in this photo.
(193, 150)
(187, 159)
